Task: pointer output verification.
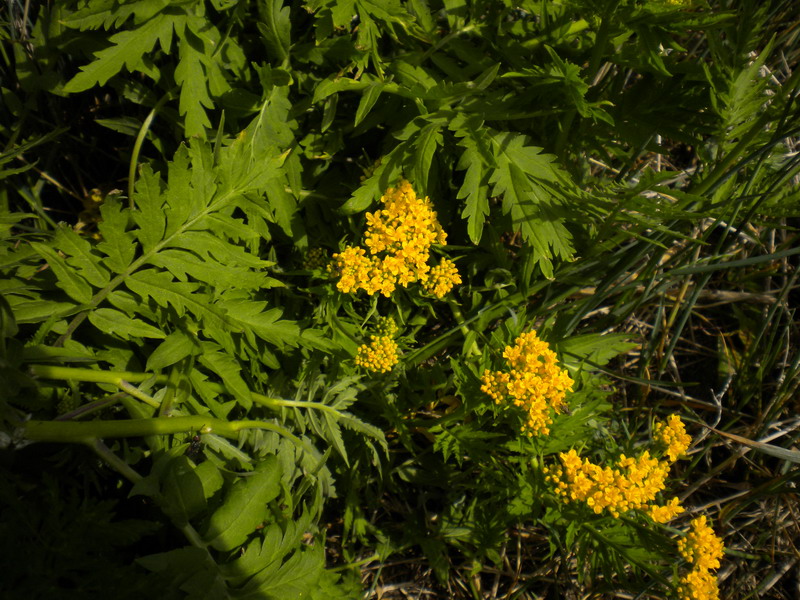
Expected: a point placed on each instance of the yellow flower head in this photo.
(701, 546)
(672, 436)
(380, 355)
(667, 512)
(441, 278)
(630, 484)
(353, 268)
(533, 382)
(698, 585)
(403, 233)
(703, 549)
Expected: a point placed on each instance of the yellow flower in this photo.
(353, 268)
(403, 232)
(701, 546)
(672, 435)
(667, 512)
(630, 484)
(533, 382)
(698, 585)
(441, 278)
(380, 355)
(703, 549)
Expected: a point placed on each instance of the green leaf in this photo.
(476, 192)
(221, 276)
(191, 75)
(149, 283)
(428, 139)
(109, 13)
(73, 284)
(131, 305)
(182, 491)
(114, 322)
(276, 29)
(126, 125)
(423, 14)
(353, 423)
(386, 174)
(228, 369)
(477, 159)
(262, 557)
(150, 216)
(267, 325)
(596, 348)
(118, 244)
(182, 201)
(282, 203)
(333, 434)
(335, 84)
(190, 568)
(529, 183)
(329, 112)
(370, 96)
(244, 508)
(294, 579)
(210, 478)
(36, 311)
(127, 50)
(213, 249)
(8, 325)
(81, 257)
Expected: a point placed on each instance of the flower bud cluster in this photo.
(533, 382)
(316, 258)
(399, 238)
(387, 326)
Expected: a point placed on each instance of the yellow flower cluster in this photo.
(441, 278)
(630, 484)
(703, 549)
(665, 512)
(533, 382)
(380, 355)
(672, 435)
(698, 585)
(403, 232)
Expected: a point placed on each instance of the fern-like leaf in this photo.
(127, 50)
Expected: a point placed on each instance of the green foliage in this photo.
(608, 173)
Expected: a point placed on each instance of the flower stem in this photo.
(114, 461)
(473, 349)
(92, 375)
(86, 432)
